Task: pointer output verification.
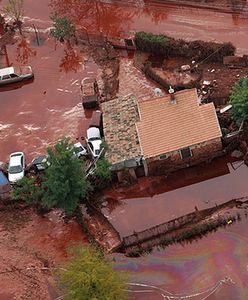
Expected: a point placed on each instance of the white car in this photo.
(94, 141)
(15, 74)
(16, 166)
(79, 150)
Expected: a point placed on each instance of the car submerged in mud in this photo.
(15, 74)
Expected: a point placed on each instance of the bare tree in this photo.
(15, 9)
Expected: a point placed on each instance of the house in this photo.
(119, 125)
(160, 134)
(177, 131)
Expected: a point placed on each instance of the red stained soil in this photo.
(31, 246)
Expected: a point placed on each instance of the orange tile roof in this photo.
(166, 127)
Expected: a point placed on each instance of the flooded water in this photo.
(192, 268)
(167, 198)
(38, 113)
(117, 18)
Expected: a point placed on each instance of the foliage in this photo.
(88, 275)
(169, 47)
(239, 100)
(28, 190)
(63, 27)
(103, 169)
(64, 181)
(15, 8)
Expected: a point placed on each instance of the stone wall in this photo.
(173, 161)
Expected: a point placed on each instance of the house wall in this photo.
(173, 160)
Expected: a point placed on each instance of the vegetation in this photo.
(15, 9)
(63, 27)
(63, 183)
(28, 190)
(88, 275)
(169, 47)
(239, 100)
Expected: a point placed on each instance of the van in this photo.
(96, 121)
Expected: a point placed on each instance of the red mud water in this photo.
(119, 18)
(39, 113)
(195, 267)
(166, 198)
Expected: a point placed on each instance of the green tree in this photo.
(103, 169)
(27, 189)
(63, 27)
(64, 181)
(88, 275)
(239, 100)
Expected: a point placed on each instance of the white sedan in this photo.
(94, 141)
(16, 166)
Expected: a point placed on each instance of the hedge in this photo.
(165, 46)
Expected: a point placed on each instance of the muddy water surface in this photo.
(192, 268)
(39, 112)
(166, 198)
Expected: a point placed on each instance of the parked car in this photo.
(4, 186)
(96, 121)
(90, 93)
(79, 150)
(39, 163)
(16, 166)
(94, 141)
(15, 74)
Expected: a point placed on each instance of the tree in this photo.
(102, 173)
(28, 190)
(239, 100)
(64, 181)
(88, 275)
(15, 8)
(63, 27)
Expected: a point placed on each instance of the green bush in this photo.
(239, 100)
(170, 47)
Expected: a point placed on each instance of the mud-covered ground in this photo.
(30, 249)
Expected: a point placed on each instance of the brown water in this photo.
(40, 112)
(166, 198)
(192, 268)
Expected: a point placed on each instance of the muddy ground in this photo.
(30, 249)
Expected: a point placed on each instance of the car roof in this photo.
(6, 71)
(93, 132)
(15, 158)
(3, 179)
(78, 145)
(40, 159)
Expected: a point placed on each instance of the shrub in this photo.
(170, 47)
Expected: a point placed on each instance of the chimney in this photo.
(172, 96)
